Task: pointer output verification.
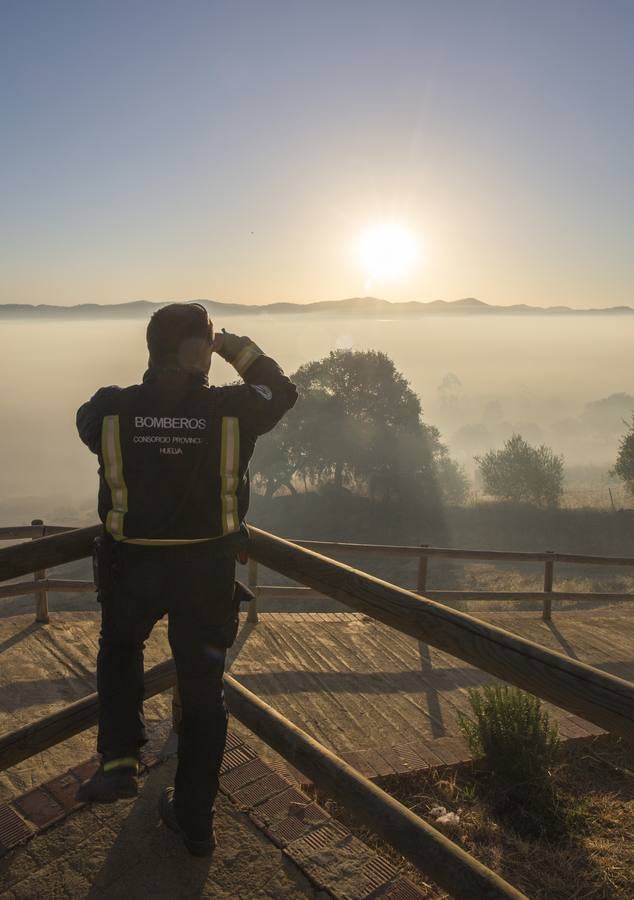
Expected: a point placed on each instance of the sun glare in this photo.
(387, 251)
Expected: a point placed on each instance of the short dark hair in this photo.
(172, 325)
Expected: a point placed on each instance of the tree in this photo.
(357, 424)
(274, 468)
(452, 479)
(357, 421)
(606, 415)
(449, 391)
(521, 473)
(624, 467)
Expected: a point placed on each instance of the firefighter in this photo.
(173, 494)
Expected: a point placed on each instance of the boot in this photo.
(197, 846)
(111, 783)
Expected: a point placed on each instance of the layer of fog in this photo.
(479, 380)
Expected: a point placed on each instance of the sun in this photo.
(387, 251)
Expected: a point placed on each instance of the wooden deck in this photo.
(353, 683)
(349, 681)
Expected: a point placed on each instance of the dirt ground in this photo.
(584, 850)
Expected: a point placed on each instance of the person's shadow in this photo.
(146, 858)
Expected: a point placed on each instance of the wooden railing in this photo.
(601, 698)
(455, 870)
(41, 585)
(424, 554)
(426, 848)
(595, 695)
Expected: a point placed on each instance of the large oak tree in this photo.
(358, 424)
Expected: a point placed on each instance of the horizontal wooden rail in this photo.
(403, 550)
(16, 532)
(71, 720)
(69, 586)
(601, 698)
(430, 851)
(287, 592)
(47, 552)
(19, 589)
(527, 595)
(28, 531)
(455, 553)
(25, 531)
(275, 592)
(594, 560)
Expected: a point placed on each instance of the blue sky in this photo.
(235, 150)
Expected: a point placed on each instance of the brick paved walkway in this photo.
(120, 851)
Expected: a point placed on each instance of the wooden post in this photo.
(549, 567)
(41, 594)
(421, 582)
(252, 615)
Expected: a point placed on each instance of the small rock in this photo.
(449, 818)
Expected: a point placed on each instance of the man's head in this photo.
(180, 336)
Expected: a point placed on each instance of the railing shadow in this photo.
(20, 636)
(23, 694)
(567, 647)
(431, 693)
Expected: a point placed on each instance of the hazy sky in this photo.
(235, 149)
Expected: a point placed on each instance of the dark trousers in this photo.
(194, 586)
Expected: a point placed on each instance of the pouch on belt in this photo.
(105, 561)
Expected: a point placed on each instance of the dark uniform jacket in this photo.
(174, 452)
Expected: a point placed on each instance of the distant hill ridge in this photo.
(367, 307)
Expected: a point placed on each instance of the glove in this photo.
(239, 351)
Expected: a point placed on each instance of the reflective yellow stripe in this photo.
(113, 466)
(160, 542)
(229, 463)
(245, 357)
(125, 762)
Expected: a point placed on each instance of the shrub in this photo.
(624, 467)
(512, 732)
(452, 478)
(523, 474)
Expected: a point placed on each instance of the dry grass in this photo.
(489, 577)
(581, 847)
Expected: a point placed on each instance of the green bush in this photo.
(512, 732)
(624, 467)
(520, 473)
